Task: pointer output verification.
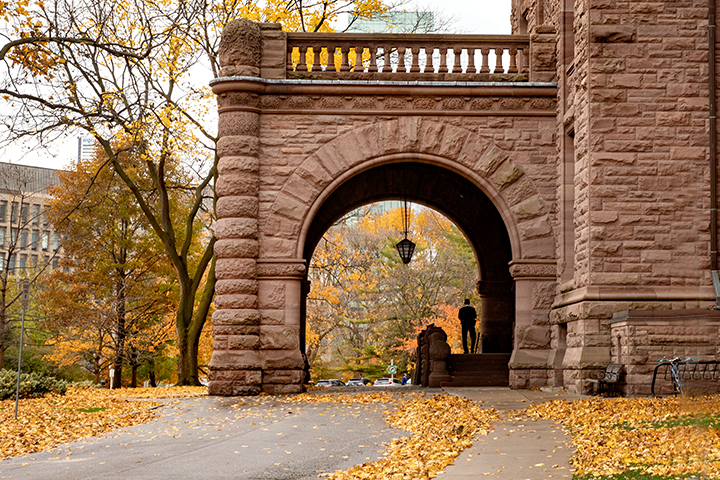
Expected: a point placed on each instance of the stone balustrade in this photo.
(407, 56)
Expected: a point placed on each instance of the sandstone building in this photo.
(578, 155)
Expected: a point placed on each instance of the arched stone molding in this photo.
(419, 139)
(524, 213)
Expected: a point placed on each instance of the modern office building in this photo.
(27, 239)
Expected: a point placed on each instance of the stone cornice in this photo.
(631, 294)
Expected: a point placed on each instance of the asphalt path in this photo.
(266, 438)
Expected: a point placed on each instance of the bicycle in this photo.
(674, 367)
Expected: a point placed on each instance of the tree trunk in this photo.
(120, 333)
(189, 324)
(151, 372)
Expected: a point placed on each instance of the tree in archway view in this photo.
(365, 307)
(112, 301)
(134, 76)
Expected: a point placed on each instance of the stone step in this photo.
(478, 370)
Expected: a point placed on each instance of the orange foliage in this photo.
(446, 317)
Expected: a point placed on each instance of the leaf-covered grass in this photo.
(640, 438)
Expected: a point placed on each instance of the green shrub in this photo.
(32, 385)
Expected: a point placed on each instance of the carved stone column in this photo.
(532, 359)
(236, 364)
(279, 294)
(497, 311)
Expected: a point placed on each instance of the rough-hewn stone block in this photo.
(246, 316)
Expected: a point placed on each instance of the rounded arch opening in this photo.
(460, 200)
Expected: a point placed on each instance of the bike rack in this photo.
(689, 370)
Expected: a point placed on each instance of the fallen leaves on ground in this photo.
(44, 423)
(442, 426)
(668, 437)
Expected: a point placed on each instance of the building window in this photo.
(55, 263)
(35, 239)
(2, 262)
(14, 212)
(23, 239)
(56, 242)
(24, 213)
(13, 235)
(34, 260)
(44, 218)
(45, 241)
(2, 236)
(23, 262)
(3, 210)
(35, 214)
(11, 263)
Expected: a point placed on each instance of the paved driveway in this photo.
(213, 438)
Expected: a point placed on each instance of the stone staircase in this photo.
(478, 370)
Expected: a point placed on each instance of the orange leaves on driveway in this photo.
(442, 426)
(47, 422)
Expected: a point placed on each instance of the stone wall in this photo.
(632, 133)
(640, 338)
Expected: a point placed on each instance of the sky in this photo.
(471, 17)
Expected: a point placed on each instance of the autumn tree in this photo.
(127, 74)
(365, 304)
(115, 283)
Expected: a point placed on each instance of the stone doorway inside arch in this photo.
(476, 217)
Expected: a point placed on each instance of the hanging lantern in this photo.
(405, 247)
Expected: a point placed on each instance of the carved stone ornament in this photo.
(240, 50)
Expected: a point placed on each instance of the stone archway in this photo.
(262, 248)
(430, 183)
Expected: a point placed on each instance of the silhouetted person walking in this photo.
(467, 316)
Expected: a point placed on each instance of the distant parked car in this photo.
(332, 382)
(387, 382)
(359, 382)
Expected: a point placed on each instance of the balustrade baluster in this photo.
(485, 68)
(401, 60)
(443, 60)
(522, 61)
(387, 59)
(471, 60)
(302, 65)
(373, 67)
(290, 66)
(344, 64)
(498, 61)
(513, 61)
(415, 66)
(456, 67)
(359, 67)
